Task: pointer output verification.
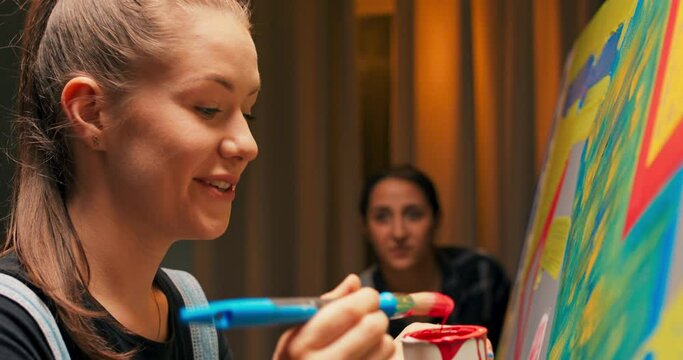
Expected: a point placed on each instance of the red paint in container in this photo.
(450, 340)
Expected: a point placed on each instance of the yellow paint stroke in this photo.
(591, 316)
(596, 94)
(667, 340)
(611, 174)
(538, 280)
(670, 110)
(596, 33)
(598, 240)
(570, 130)
(560, 343)
(553, 251)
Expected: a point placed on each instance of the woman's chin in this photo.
(402, 264)
(209, 231)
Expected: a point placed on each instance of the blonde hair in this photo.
(62, 39)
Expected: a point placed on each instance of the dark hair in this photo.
(404, 172)
(62, 39)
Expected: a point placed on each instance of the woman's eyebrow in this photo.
(223, 81)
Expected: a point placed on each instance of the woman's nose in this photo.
(398, 229)
(239, 143)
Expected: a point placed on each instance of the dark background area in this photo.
(11, 20)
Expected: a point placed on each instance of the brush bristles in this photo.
(431, 304)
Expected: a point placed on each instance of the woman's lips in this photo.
(219, 190)
(399, 251)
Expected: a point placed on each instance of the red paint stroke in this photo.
(650, 179)
(525, 304)
(535, 352)
(449, 340)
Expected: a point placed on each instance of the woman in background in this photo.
(401, 214)
(133, 134)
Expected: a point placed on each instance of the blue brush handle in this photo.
(246, 312)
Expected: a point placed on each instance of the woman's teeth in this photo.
(222, 186)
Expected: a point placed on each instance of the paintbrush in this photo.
(246, 312)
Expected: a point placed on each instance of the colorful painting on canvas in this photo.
(601, 274)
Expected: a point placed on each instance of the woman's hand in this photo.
(416, 326)
(351, 327)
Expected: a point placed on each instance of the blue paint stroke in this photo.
(660, 219)
(591, 72)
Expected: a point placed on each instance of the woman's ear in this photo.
(81, 102)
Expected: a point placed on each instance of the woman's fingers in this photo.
(350, 327)
(284, 343)
(386, 350)
(347, 286)
(417, 326)
(335, 319)
(489, 350)
(367, 340)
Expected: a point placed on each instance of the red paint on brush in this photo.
(443, 307)
(449, 340)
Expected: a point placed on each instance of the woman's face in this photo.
(400, 223)
(177, 148)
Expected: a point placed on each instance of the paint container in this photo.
(451, 342)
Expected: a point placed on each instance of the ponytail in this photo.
(40, 230)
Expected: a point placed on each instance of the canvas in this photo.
(601, 273)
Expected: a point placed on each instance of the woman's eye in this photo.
(249, 117)
(414, 215)
(207, 112)
(381, 217)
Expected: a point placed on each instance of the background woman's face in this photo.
(179, 145)
(400, 223)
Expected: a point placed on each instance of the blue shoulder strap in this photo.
(21, 294)
(204, 336)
